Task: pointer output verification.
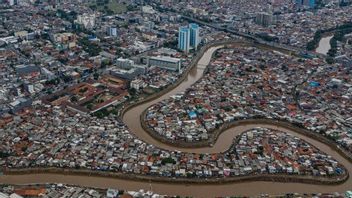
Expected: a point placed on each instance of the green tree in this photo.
(4, 155)
(168, 160)
(132, 91)
(96, 76)
(90, 106)
(74, 99)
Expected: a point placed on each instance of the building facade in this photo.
(184, 39)
(264, 19)
(165, 62)
(194, 37)
(308, 3)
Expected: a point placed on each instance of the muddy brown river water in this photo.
(132, 119)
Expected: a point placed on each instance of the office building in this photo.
(124, 63)
(127, 74)
(149, 26)
(20, 104)
(165, 62)
(194, 35)
(88, 21)
(24, 70)
(184, 39)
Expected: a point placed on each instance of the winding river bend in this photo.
(132, 119)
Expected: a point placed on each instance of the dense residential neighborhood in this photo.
(72, 72)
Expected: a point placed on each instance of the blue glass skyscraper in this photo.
(184, 39)
(310, 3)
(194, 30)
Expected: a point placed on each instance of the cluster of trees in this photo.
(345, 3)
(69, 16)
(171, 44)
(108, 7)
(339, 35)
(54, 81)
(168, 160)
(267, 37)
(102, 113)
(83, 90)
(91, 48)
(99, 3)
(311, 45)
(132, 91)
(3, 155)
(105, 112)
(132, 8)
(340, 32)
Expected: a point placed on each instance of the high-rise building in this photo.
(184, 39)
(12, 2)
(309, 3)
(87, 20)
(194, 37)
(112, 31)
(264, 19)
(165, 62)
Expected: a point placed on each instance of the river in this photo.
(324, 45)
(132, 120)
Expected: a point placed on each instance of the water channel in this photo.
(132, 120)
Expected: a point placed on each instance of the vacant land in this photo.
(108, 6)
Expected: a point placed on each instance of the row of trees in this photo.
(313, 44)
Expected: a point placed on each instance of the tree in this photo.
(67, 79)
(4, 155)
(83, 90)
(130, 8)
(132, 91)
(105, 63)
(74, 99)
(91, 48)
(168, 160)
(93, 7)
(96, 76)
(330, 60)
(109, 12)
(90, 106)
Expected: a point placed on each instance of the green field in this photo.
(108, 6)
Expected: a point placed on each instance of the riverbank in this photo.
(196, 181)
(220, 44)
(139, 116)
(184, 75)
(214, 135)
